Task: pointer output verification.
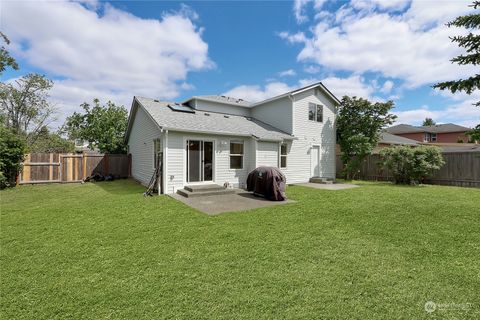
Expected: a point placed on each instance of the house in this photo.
(439, 133)
(388, 140)
(218, 139)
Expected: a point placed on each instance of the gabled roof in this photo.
(221, 99)
(206, 122)
(438, 128)
(297, 91)
(388, 138)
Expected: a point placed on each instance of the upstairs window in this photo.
(236, 154)
(430, 137)
(312, 109)
(283, 155)
(315, 112)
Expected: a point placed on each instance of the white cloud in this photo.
(255, 93)
(461, 113)
(351, 86)
(312, 69)
(413, 46)
(299, 8)
(387, 87)
(286, 73)
(114, 54)
(390, 5)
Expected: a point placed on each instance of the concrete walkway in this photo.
(239, 201)
(333, 186)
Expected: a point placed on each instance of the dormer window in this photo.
(315, 112)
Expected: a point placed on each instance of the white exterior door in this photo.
(315, 161)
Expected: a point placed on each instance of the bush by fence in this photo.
(460, 169)
(67, 167)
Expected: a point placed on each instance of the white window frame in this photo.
(315, 115)
(433, 137)
(242, 155)
(280, 155)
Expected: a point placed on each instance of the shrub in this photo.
(12, 152)
(412, 165)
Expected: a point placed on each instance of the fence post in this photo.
(50, 167)
(84, 165)
(26, 168)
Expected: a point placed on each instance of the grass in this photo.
(103, 251)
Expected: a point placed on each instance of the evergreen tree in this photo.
(471, 43)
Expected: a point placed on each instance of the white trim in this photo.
(312, 171)
(291, 93)
(165, 163)
(214, 159)
(236, 154)
(280, 155)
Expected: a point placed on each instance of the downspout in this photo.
(165, 162)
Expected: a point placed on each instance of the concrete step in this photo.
(203, 187)
(321, 180)
(189, 194)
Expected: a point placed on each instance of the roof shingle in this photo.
(210, 122)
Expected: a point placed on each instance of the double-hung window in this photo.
(283, 155)
(236, 154)
(315, 112)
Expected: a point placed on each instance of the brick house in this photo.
(440, 133)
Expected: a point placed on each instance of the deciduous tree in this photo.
(103, 126)
(25, 104)
(359, 124)
(428, 122)
(6, 60)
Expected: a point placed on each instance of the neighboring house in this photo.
(218, 139)
(449, 132)
(387, 140)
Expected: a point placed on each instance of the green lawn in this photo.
(102, 251)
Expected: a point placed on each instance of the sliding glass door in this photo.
(199, 160)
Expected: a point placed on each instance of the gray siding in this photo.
(267, 154)
(277, 113)
(221, 108)
(176, 158)
(140, 145)
(311, 133)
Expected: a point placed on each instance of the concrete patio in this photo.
(239, 201)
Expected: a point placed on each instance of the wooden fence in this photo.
(68, 167)
(461, 169)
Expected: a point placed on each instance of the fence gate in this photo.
(68, 167)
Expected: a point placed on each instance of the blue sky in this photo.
(172, 50)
